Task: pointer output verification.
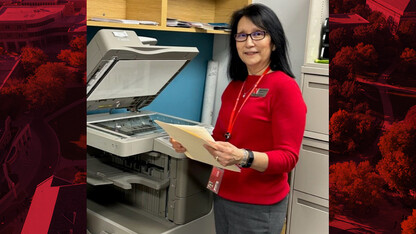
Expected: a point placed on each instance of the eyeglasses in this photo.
(255, 36)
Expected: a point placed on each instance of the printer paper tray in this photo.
(122, 219)
(103, 174)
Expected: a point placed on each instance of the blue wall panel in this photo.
(183, 97)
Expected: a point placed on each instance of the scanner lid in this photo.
(122, 72)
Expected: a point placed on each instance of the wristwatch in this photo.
(250, 159)
(244, 159)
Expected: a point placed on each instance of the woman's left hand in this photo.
(225, 153)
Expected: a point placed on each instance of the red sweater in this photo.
(273, 124)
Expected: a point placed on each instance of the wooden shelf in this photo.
(208, 11)
(150, 27)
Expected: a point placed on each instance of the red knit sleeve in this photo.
(288, 124)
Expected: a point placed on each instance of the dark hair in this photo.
(263, 17)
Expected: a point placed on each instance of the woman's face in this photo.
(254, 53)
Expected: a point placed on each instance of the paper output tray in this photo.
(103, 174)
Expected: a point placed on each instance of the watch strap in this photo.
(249, 160)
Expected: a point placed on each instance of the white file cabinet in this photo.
(315, 90)
(309, 197)
(308, 211)
(312, 171)
(309, 214)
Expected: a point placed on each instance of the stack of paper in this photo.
(177, 23)
(125, 21)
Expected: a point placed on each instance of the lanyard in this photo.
(234, 115)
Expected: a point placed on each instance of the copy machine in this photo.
(136, 182)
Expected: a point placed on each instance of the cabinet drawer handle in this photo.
(315, 149)
(318, 85)
(313, 205)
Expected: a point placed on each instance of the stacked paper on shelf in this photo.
(171, 22)
(125, 21)
(177, 23)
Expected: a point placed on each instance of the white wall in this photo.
(294, 17)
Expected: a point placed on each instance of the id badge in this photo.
(215, 179)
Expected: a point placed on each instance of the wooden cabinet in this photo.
(209, 11)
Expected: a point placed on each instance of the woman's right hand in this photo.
(177, 146)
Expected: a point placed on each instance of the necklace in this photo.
(244, 94)
(255, 85)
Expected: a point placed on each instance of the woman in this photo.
(259, 127)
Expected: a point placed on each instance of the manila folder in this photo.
(193, 138)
